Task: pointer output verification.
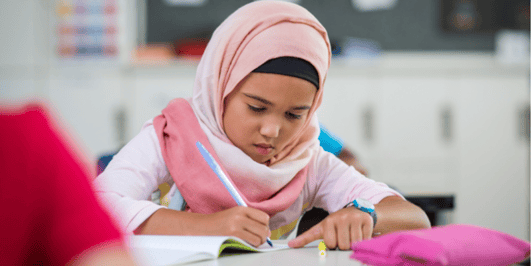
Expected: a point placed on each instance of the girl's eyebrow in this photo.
(304, 107)
(264, 101)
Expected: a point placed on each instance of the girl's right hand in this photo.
(248, 224)
(251, 225)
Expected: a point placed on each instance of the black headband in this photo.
(291, 66)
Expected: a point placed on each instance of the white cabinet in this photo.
(493, 188)
(395, 125)
(448, 126)
(347, 105)
(88, 102)
(24, 50)
(412, 143)
(16, 85)
(150, 89)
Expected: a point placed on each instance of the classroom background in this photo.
(432, 96)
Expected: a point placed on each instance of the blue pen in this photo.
(228, 185)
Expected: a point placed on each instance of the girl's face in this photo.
(265, 111)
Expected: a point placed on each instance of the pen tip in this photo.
(269, 242)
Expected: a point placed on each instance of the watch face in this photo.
(365, 204)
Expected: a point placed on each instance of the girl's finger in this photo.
(367, 231)
(257, 229)
(356, 233)
(249, 237)
(258, 215)
(329, 233)
(343, 235)
(314, 233)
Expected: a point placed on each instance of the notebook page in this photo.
(163, 257)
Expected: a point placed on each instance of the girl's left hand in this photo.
(339, 229)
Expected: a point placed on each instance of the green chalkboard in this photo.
(411, 25)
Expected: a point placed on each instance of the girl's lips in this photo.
(263, 150)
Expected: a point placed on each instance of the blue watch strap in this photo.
(367, 209)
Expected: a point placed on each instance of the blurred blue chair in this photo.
(103, 161)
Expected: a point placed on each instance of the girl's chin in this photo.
(262, 160)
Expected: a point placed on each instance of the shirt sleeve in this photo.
(335, 184)
(330, 142)
(130, 178)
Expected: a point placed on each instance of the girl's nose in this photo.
(270, 128)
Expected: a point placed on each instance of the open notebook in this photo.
(174, 250)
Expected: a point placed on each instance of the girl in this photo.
(257, 89)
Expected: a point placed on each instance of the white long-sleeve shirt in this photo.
(138, 169)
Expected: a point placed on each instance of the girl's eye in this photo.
(256, 109)
(293, 116)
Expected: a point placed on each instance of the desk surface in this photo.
(302, 256)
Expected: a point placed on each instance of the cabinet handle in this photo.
(446, 118)
(120, 120)
(367, 124)
(524, 124)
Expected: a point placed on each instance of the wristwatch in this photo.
(365, 206)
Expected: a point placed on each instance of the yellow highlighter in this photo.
(322, 249)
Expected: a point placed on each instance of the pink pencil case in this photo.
(456, 244)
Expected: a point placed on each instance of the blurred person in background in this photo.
(50, 215)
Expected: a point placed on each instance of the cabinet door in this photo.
(493, 188)
(23, 57)
(16, 89)
(346, 110)
(88, 102)
(414, 133)
(23, 28)
(152, 90)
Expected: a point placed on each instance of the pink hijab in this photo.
(252, 35)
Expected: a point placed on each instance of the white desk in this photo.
(302, 256)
